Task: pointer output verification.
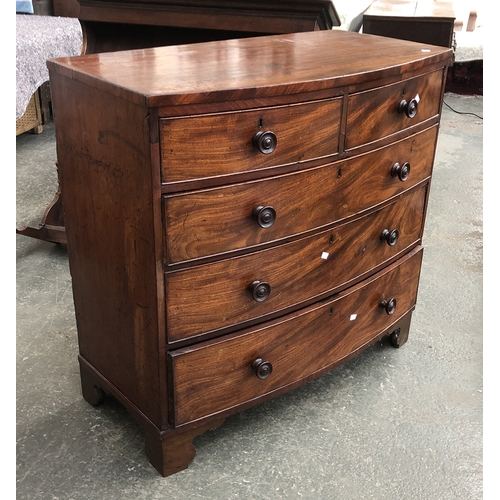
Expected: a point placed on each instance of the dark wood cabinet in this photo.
(416, 20)
(121, 24)
(241, 215)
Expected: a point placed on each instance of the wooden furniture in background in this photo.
(242, 216)
(118, 24)
(66, 8)
(417, 20)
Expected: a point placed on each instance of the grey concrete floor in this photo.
(390, 424)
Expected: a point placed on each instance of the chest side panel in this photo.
(104, 163)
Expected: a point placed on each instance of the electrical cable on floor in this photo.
(462, 112)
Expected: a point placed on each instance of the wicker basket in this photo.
(32, 118)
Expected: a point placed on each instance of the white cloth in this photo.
(469, 45)
(39, 38)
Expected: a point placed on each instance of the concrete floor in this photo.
(390, 424)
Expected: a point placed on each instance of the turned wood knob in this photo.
(402, 172)
(409, 108)
(265, 142)
(390, 237)
(260, 290)
(262, 368)
(388, 305)
(264, 216)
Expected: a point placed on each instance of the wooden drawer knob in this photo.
(390, 237)
(265, 142)
(264, 216)
(388, 305)
(402, 172)
(409, 108)
(262, 368)
(260, 290)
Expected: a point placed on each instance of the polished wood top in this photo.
(250, 67)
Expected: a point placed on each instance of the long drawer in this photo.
(207, 146)
(210, 222)
(377, 113)
(227, 293)
(221, 374)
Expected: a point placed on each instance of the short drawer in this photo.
(241, 216)
(206, 146)
(230, 292)
(381, 112)
(219, 375)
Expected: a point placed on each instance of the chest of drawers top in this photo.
(262, 67)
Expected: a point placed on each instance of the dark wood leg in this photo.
(168, 451)
(399, 335)
(172, 451)
(92, 392)
(51, 227)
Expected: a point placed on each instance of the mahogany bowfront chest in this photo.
(242, 216)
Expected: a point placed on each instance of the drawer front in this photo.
(207, 146)
(211, 222)
(229, 292)
(375, 114)
(218, 375)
